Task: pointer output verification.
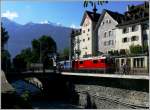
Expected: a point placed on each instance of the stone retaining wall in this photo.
(93, 96)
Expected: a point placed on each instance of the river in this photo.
(40, 103)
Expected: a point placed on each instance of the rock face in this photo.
(5, 86)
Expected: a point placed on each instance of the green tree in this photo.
(23, 60)
(19, 63)
(5, 56)
(43, 48)
(4, 37)
(64, 55)
(136, 49)
(36, 51)
(5, 61)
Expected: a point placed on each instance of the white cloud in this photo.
(10, 15)
(44, 22)
(74, 26)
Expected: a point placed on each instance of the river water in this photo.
(21, 86)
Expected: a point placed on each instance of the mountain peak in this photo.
(30, 23)
(21, 36)
(51, 23)
(5, 21)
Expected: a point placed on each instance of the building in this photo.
(105, 30)
(87, 38)
(75, 53)
(134, 30)
(112, 31)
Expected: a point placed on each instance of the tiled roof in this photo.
(133, 21)
(93, 17)
(136, 14)
(115, 15)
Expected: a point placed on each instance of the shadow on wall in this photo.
(65, 91)
(90, 103)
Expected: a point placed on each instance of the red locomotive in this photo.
(101, 64)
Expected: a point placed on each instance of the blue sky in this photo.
(61, 12)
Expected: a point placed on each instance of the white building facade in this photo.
(132, 34)
(86, 39)
(105, 30)
(112, 31)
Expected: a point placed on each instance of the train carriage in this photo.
(94, 64)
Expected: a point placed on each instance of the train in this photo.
(103, 64)
(135, 64)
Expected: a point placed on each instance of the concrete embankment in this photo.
(113, 93)
(108, 97)
(5, 86)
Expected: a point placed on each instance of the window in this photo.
(83, 40)
(142, 62)
(112, 42)
(109, 33)
(105, 34)
(145, 26)
(83, 31)
(138, 63)
(122, 61)
(105, 43)
(134, 62)
(134, 38)
(109, 21)
(88, 38)
(112, 32)
(88, 30)
(125, 30)
(145, 37)
(125, 40)
(81, 62)
(109, 42)
(134, 28)
(95, 61)
(103, 23)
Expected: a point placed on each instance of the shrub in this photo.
(136, 49)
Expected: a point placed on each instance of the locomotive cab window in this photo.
(95, 61)
(81, 62)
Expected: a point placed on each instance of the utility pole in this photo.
(40, 53)
(78, 44)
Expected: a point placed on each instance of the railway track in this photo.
(133, 106)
